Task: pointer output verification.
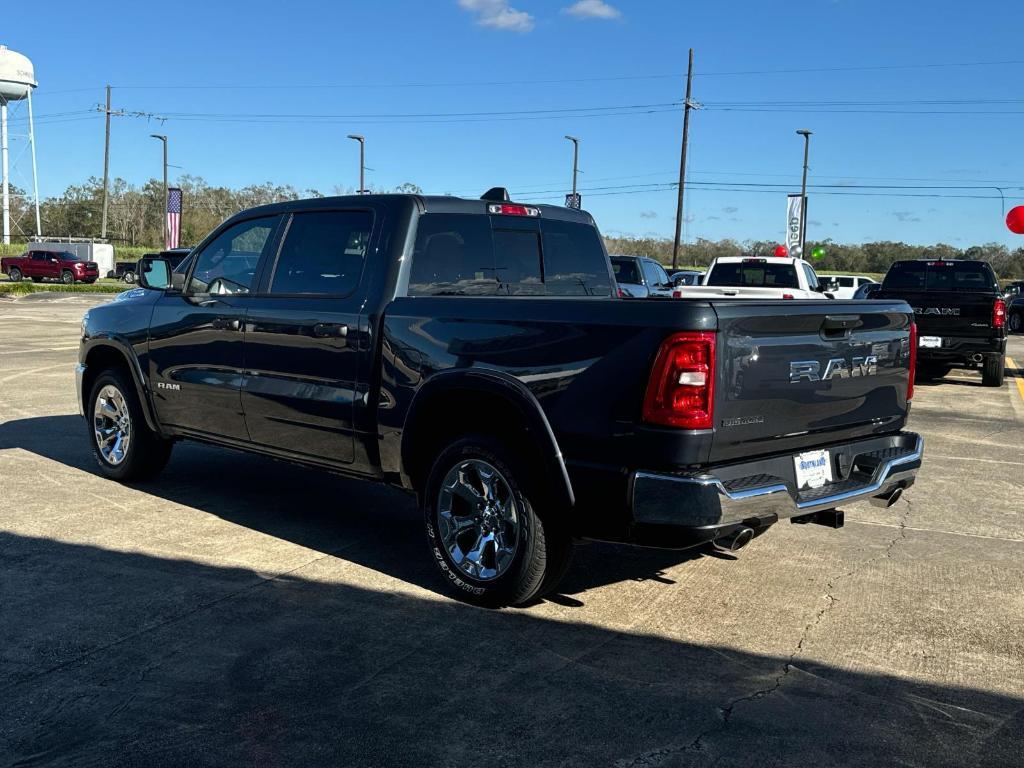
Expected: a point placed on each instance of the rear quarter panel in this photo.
(586, 361)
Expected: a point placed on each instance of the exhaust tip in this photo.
(886, 500)
(736, 540)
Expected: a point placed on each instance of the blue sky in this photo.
(225, 64)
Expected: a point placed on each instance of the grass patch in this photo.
(26, 287)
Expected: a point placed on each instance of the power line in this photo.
(564, 81)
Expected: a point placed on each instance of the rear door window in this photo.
(323, 253)
(475, 255)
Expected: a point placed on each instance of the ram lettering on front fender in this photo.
(836, 368)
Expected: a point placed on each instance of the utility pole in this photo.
(575, 162)
(106, 168)
(362, 160)
(164, 218)
(687, 105)
(803, 193)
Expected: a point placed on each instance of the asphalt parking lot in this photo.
(239, 611)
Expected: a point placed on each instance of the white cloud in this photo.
(498, 15)
(593, 9)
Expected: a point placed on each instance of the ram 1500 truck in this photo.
(49, 265)
(474, 352)
(960, 311)
(756, 277)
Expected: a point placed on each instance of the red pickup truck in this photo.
(50, 265)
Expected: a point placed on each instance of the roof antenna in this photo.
(496, 195)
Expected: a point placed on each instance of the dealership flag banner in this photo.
(795, 211)
(173, 217)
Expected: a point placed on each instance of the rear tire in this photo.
(14, 275)
(1015, 322)
(124, 446)
(492, 533)
(67, 277)
(129, 277)
(994, 371)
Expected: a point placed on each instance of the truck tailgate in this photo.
(945, 313)
(823, 371)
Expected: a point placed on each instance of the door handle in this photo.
(330, 330)
(226, 324)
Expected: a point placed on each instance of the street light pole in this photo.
(362, 161)
(803, 193)
(575, 161)
(163, 139)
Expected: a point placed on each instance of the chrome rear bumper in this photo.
(761, 489)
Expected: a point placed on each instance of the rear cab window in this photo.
(626, 271)
(970, 276)
(757, 273)
(479, 255)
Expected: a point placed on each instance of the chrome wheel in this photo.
(478, 519)
(111, 425)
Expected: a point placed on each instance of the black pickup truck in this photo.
(474, 352)
(960, 311)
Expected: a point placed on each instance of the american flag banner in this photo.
(173, 217)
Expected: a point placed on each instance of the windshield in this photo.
(753, 273)
(626, 271)
(971, 276)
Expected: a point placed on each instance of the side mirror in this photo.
(154, 274)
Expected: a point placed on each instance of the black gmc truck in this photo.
(475, 353)
(960, 312)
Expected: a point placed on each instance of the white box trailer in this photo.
(101, 253)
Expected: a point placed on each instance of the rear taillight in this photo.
(913, 361)
(677, 294)
(999, 314)
(681, 390)
(788, 296)
(622, 294)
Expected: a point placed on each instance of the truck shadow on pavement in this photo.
(373, 525)
(112, 657)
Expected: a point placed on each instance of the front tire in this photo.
(67, 277)
(1015, 323)
(993, 373)
(491, 532)
(124, 446)
(129, 277)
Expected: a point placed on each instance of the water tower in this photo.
(17, 79)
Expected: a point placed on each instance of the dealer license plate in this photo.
(813, 469)
(930, 341)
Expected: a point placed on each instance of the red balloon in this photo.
(781, 250)
(1015, 220)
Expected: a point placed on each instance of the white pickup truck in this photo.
(756, 277)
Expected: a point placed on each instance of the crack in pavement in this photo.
(656, 757)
